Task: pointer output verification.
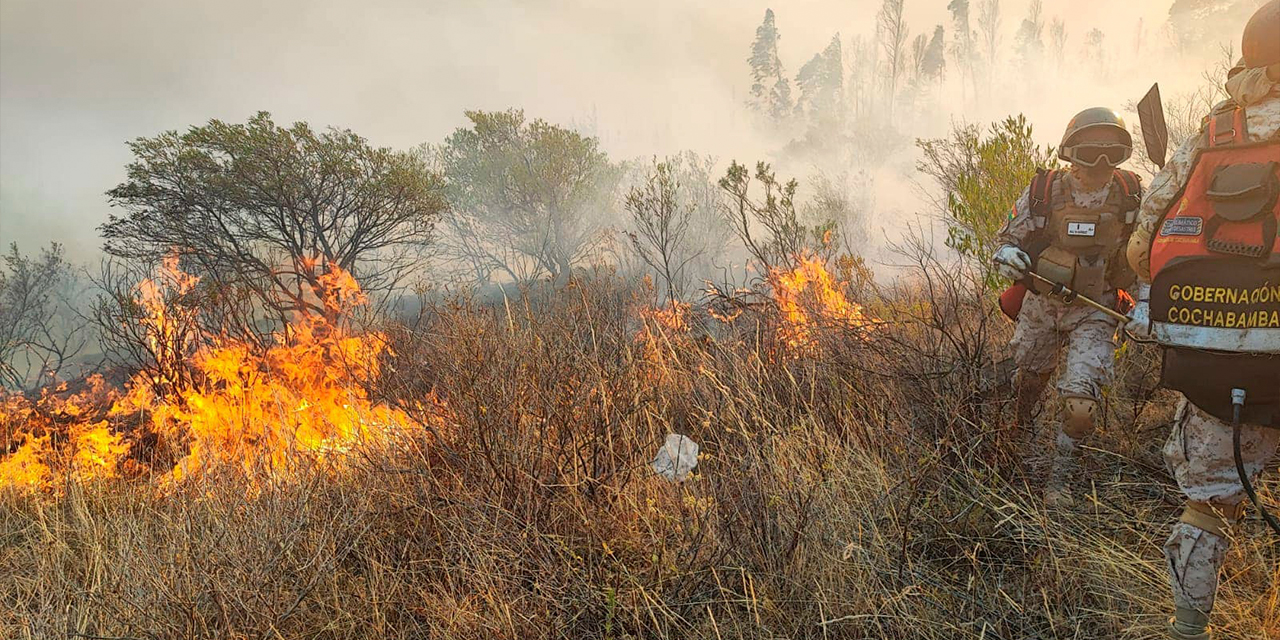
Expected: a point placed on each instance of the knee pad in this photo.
(1078, 416)
(1212, 517)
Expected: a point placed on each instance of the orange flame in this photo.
(25, 467)
(809, 297)
(93, 450)
(304, 399)
(665, 332)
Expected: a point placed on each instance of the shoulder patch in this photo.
(1182, 226)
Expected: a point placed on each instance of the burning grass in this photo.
(865, 486)
(210, 401)
(808, 298)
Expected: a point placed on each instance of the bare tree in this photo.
(700, 191)
(787, 236)
(1184, 111)
(660, 223)
(39, 334)
(863, 61)
(919, 46)
(845, 199)
(1139, 35)
(1095, 54)
(1058, 41)
(989, 30)
(962, 47)
(148, 316)
(892, 34)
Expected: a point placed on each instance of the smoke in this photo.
(79, 79)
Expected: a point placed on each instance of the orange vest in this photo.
(1215, 255)
(1215, 275)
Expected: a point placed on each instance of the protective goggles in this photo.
(1092, 155)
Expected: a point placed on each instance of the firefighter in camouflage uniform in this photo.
(1206, 240)
(1070, 226)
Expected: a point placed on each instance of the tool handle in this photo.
(1071, 297)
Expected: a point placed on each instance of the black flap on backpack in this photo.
(1242, 192)
(1206, 378)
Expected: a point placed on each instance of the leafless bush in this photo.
(845, 200)
(155, 334)
(39, 335)
(786, 235)
(660, 223)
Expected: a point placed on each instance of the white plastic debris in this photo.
(677, 457)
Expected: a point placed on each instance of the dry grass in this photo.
(872, 491)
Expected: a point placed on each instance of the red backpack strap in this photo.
(1131, 186)
(1227, 125)
(1041, 192)
(1130, 182)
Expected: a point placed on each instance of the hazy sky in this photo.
(80, 78)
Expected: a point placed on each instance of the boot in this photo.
(1189, 624)
(1064, 466)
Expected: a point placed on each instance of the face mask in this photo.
(1250, 86)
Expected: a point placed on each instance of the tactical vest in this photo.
(1077, 247)
(1215, 274)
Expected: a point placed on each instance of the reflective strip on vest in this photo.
(1255, 340)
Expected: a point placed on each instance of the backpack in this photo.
(1215, 274)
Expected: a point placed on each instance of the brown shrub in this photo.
(872, 489)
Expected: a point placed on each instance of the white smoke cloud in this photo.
(80, 78)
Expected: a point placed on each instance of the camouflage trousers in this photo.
(1045, 326)
(1200, 456)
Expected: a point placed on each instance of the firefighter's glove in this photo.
(1139, 325)
(1011, 262)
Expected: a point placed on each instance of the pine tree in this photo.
(770, 90)
(935, 62)
(821, 83)
(962, 45)
(1030, 40)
